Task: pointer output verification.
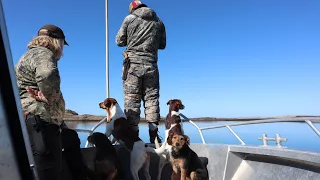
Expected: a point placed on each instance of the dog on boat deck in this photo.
(73, 155)
(173, 117)
(119, 127)
(107, 162)
(173, 124)
(184, 160)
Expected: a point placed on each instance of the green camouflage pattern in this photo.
(142, 83)
(143, 33)
(38, 69)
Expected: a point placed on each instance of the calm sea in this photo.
(300, 136)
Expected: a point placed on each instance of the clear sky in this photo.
(224, 58)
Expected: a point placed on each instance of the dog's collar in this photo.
(175, 113)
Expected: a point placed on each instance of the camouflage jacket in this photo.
(143, 33)
(38, 69)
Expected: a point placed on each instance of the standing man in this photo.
(143, 33)
(42, 102)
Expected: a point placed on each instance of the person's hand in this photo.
(38, 95)
(125, 55)
(63, 125)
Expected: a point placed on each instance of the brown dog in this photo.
(173, 116)
(184, 159)
(173, 124)
(107, 162)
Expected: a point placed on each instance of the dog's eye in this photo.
(181, 138)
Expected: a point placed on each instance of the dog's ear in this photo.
(109, 102)
(102, 106)
(90, 139)
(169, 102)
(169, 139)
(187, 139)
(114, 101)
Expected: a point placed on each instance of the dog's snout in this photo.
(177, 144)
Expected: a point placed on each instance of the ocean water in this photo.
(300, 136)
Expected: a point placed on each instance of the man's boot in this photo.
(153, 135)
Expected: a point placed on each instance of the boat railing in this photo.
(92, 129)
(309, 120)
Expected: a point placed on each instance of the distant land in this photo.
(71, 115)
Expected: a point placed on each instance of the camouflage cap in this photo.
(53, 31)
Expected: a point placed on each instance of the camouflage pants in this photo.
(142, 83)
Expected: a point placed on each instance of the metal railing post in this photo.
(236, 135)
(195, 125)
(313, 127)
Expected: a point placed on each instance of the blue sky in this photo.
(224, 58)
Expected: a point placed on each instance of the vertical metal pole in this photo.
(107, 54)
(107, 51)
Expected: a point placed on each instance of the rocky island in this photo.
(71, 115)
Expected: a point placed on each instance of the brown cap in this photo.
(53, 31)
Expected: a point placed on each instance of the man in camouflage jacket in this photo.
(143, 33)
